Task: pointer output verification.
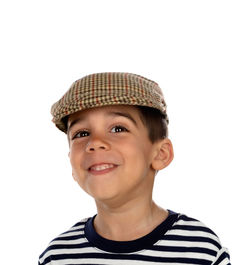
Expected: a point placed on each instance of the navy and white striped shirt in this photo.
(177, 240)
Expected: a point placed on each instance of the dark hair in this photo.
(154, 121)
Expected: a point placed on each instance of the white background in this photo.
(198, 52)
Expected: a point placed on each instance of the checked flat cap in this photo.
(104, 89)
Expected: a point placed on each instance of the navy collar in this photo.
(144, 242)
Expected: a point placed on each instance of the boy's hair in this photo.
(154, 121)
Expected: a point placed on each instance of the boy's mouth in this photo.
(102, 168)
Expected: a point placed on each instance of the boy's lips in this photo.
(101, 168)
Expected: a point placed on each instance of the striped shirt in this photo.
(178, 240)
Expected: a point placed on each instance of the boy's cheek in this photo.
(75, 147)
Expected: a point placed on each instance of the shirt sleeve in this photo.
(222, 258)
(42, 263)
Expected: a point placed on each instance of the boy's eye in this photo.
(119, 128)
(81, 134)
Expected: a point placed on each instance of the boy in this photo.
(116, 124)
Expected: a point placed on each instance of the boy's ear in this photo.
(72, 170)
(164, 154)
(73, 176)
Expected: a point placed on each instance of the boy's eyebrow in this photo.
(111, 113)
(123, 114)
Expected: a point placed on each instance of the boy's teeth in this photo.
(102, 167)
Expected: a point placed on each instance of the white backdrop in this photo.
(198, 52)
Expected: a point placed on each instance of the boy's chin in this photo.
(111, 200)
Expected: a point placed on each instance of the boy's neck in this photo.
(128, 222)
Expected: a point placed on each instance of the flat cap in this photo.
(104, 89)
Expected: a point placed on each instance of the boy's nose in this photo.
(96, 144)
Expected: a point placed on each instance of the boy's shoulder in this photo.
(74, 233)
(187, 223)
(179, 233)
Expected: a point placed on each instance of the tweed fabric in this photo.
(104, 89)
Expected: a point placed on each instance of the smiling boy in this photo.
(114, 161)
(116, 125)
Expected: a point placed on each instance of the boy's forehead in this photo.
(131, 112)
(105, 109)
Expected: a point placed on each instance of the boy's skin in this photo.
(123, 194)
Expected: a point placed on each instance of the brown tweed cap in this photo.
(103, 89)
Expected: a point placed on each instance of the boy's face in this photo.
(110, 153)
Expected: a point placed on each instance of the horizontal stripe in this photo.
(192, 239)
(101, 256)
(184, 249)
